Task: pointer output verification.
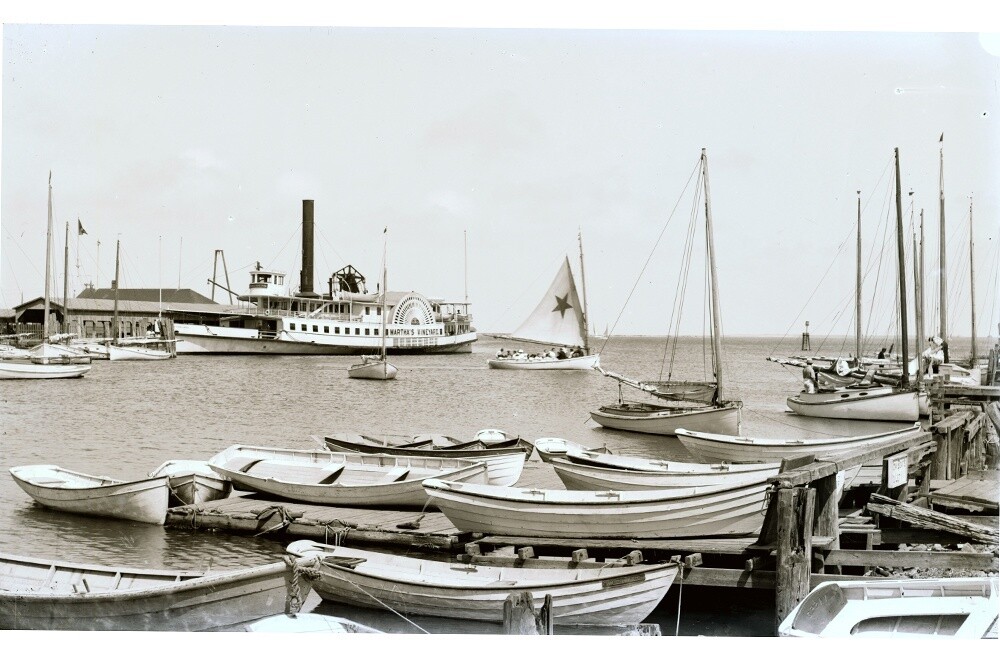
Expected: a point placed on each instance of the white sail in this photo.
(558, 318)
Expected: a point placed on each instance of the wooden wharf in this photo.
(806, 539)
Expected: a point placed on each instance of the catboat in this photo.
(559, 319)
(192, 482)
(377, 367)
(734, 448)
(689, 512)
(38, 594)
(360, 480)
(959, 608)
(578, 472)
(583, 594)
(551, 448)
(873, 403)
(144, 500)
(690, 404)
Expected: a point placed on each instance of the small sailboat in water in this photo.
(376, 367)
(118, 349)
(560, 319)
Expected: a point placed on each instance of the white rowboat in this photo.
(578, 474)
(550, 448)
(583, 594)
(689, 512)
(192, 482)
(733, 448)
(544, 364)
(335, 478)
(37, 594)
(144, 500)
(957, 608)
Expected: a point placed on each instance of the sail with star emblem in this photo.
(559, 320)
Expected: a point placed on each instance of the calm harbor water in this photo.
(124, 419)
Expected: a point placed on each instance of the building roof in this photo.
(154, 294)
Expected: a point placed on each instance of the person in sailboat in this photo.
(934, 355)
(882, 354)
(809, 377)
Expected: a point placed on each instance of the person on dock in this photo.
(809, 377)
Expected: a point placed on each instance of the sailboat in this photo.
(373, 367)
(696, 406)
(870, 401)
(560, 319)
(46, 361)
(117, 351)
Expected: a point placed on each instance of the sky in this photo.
(484, 151)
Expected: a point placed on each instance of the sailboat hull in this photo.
(877, 404)
(123, 353)
(664, 420)
(573, 364)
(372, 370)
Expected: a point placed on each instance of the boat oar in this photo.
(411, 525)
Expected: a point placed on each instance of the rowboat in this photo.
(309, 623)
(960, 608)
(688, 512)
(583, 594)
(551, 448)
(39, 594)
(874, 403)
(334, 478)
(425, 445)
(143, 500)
(192, 482)
(733, 448)
(579, 474)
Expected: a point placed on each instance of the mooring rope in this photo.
(680, 593)
(293, 599)
(386, 606)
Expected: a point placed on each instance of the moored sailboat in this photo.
(376, 367)
(700, 405)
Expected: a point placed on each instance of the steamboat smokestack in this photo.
(306, 276)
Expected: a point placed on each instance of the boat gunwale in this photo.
(774, 442)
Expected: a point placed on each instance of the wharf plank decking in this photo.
(977, 490)
(256, 514)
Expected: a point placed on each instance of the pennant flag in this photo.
(942, 137)
(80, 231)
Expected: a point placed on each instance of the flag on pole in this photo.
(80, 231)
(942, 137)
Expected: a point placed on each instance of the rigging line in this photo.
(850, 234)
(386, 606)
(682, 281)
(274, 259)
(784, 423)
(653, 249)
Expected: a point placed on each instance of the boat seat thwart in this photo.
(344, 561)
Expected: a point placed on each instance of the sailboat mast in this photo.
(972, 287)
(385, 284)
(942, 253)
(918, 294)
(66, 283)
(48, 265)
(857, 290)
(583, 284)
(901, 259)
(716, 318)
(115, 325)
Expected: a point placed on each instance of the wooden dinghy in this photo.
(730, 448)
(578, 472)
(689, 512)
(551, 448)
(192, 482)
(959, 608)
(335, 478)
(432, 445)
(144, 500)
(38, 594)
(583, 594)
